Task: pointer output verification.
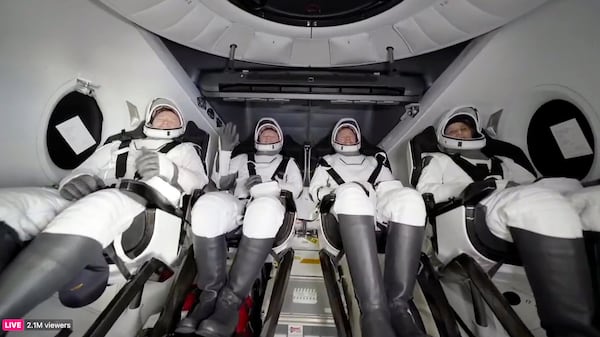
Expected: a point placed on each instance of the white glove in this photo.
(150, 164)
(81, 186)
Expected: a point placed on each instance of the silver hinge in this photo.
(86, 87)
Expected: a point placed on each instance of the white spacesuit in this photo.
(259, 176)
(82, 230)
(366, 192)
(538, 217)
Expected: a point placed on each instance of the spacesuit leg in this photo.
(63, 249)
(10, 244)
(547, 232)
(263, 217)
(586, 202)
(24, 213)
(213, 215)
(355, 212)
(404, 211)
(46, 265)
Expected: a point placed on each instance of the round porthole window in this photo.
(74, 130)
(560, 140)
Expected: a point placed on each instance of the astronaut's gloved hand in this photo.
(81, 186)
(253, 180)
(150, 164)
(478, 190)
(325, 191)
(228, 137)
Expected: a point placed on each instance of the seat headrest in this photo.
(426, 142)
(496, 147)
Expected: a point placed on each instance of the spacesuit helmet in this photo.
(165, 128)
(343, 128)
(268, 136)
(453, 130)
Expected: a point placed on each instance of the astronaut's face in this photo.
(346, 136)
(459, 130)
(268, 136)
(166, 119)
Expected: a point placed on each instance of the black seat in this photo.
(479, 234)
(291, 149)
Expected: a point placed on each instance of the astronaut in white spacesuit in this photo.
(260, 177)
(366, 193)
(78, 234)
(539, 217)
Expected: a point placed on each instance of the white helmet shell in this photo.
(346, 149)
(467, 115)
(157, 105)
(272, 148)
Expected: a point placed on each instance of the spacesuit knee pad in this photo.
(542, 211)
(354, 199)
(214, 214)
(101, 216)
(401, 205)
(263, 218)
(587, 204)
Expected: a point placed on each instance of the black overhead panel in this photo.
(315, 13)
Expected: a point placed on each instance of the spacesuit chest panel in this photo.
(479, 169)
(129, 150)
(354, 168)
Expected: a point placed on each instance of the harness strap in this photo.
(121, 164)
(480, 171)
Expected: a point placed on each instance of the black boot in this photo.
(402, 253)
(10, 245)
(358, 240)
(249, 259)
(210, 255)
(48, 263)
(592, 247)
(559, 275)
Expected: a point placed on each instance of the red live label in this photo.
(13, 325)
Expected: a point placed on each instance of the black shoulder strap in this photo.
(332, 173)
(251, 164)
(496, 169)
(169, 146)
(280, 170)
(480, 171)
(380, 161)
(121, 164)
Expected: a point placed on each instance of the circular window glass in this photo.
(74, 130)
(315, 13)
(560, 140)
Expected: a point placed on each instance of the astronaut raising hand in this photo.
(256, 179)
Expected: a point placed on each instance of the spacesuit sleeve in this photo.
(432, 181)
(320, 185)
(515, 172)
(292, 179)
(384, 175)
(226, 169)
(96, 165)
(191, 172)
